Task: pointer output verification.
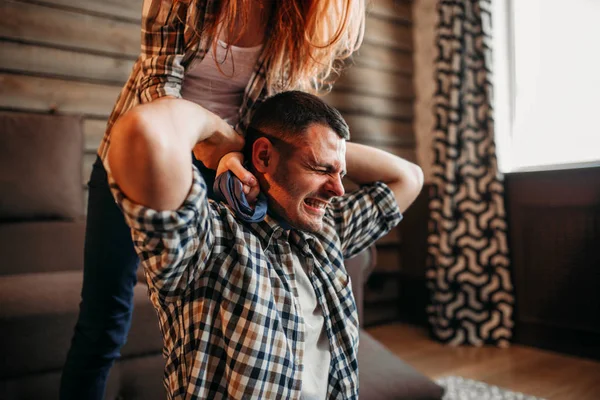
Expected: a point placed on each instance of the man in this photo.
(256, 309)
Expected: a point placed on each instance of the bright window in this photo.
(546, 74)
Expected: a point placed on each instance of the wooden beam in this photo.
(30, 93)
(369, 129)
(386, 33)
(93, 132)
(384, 59)
(378, 83)
(33, 23)
(355, 103)
(397, 10)
(388, 260)
(120, 9)
(52, 62)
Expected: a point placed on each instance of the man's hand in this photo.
(234, 162)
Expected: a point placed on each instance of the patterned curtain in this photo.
(468, 273)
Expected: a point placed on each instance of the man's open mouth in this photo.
(317, 205)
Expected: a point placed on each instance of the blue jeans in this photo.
(106, 307)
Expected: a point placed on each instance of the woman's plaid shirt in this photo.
(173, 39)
(227, 297)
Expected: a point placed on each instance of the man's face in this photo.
(304, 181)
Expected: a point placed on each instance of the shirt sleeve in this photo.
(162, 52)
(362, 217)
(172, 245)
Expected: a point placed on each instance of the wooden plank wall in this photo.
(73, 56)
(376, 96)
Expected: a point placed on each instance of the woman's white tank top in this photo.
(221, 91)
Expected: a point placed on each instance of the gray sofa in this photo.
(42, 233)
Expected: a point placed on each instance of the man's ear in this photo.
(262, 155)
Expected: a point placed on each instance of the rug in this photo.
(458, 388)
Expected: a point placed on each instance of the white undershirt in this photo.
(317, 357)
(221, 92)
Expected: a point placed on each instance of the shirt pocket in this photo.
(341, 281)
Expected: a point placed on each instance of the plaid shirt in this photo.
(227, 298)
(170, 44)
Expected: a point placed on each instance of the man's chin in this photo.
(313, 226)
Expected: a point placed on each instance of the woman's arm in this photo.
(162, 49)
(150, 152)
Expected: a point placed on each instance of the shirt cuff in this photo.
(158, 91)
(385, 201)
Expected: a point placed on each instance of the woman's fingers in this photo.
(234, 164)
(228, 161)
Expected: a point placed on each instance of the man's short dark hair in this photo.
(286, 116)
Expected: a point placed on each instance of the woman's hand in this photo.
(223, 141)
(234, 162)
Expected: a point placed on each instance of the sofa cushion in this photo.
(138, 378)
(359, 267)
(38, 315)
(40, 166)
(41, 246)
(384, 376)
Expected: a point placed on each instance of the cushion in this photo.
(384, 376)
(41, 246)
(38, 315)
(138, 378)
(40, 166)
(359, 268)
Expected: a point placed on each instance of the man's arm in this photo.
(151, 145)
(164, 200)
(367, 164)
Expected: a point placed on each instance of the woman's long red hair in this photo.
(305, 39)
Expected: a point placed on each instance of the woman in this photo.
(223, 57)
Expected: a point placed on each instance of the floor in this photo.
(523, 369)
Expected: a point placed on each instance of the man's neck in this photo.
(279, 219)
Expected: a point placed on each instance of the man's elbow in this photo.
(418, 177)
(133, 143)
(150, 164)
(124, 137)
(414, 182)
(408, 186)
